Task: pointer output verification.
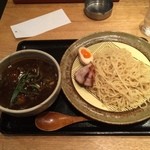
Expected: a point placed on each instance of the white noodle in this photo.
(121, 82)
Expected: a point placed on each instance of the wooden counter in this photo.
(126, 17)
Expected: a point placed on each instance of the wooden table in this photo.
(126, 17)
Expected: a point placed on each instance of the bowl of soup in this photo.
(30, 81)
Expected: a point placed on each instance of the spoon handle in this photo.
(51, 121)
(75, 119)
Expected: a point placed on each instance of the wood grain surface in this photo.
(49, 1)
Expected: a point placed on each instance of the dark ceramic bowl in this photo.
(31, 54)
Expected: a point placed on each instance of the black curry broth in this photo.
(42, 81)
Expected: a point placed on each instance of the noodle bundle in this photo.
(121, 82)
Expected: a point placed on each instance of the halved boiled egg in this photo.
(85, 56)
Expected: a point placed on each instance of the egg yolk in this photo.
(85, 53)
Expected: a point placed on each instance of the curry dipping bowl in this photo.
(30, 81)
(98, 9)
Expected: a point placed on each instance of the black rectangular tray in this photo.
(25, 125)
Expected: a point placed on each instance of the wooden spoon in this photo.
(51, 121)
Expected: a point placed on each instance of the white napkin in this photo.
(40, 24)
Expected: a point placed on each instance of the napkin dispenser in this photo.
(49, 1)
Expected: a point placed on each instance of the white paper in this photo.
(40, 24)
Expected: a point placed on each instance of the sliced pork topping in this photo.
(85, 75)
